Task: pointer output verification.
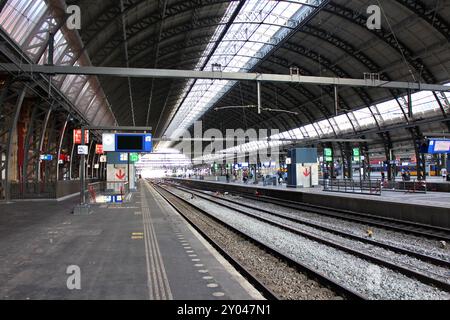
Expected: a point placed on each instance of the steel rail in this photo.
(383, 222)
(423, 230)
(267, 293)
(418, 255)
(404, 270)
(322, 278)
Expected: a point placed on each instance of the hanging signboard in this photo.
(83, 150)
(440, 146)
(98, 149)
(356, 154)
(127, 142)
(328, 154)
(77, 136)
(46, 157)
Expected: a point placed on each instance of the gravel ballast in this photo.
(283, 280)
(367, 278)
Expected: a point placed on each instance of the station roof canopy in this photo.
(308, 37)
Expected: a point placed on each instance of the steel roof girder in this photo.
(234, 76)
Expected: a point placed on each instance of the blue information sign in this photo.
(440, 146)
(46, 157)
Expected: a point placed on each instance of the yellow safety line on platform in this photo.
(158, 283)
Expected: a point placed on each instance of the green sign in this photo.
(356, 154)
(328, 154)
(134, 157)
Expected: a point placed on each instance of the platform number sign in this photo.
(356, 154)
(328, 154)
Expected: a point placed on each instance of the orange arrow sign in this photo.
(120, 175)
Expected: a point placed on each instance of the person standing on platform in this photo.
(444, 173)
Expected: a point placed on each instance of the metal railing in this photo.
(371, 187)
(414, 186)
(33, 190)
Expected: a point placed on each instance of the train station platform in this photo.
(138, 250)
(431, 208)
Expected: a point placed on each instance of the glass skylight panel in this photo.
(325, 127)
(19, 17)
(310, 130)
(390, 110)
(343, 123)
(424, 102)
(364, 118)
(67, 82)
(252, 31)
(297, 133)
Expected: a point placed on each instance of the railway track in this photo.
(413, 228)
(181, 205)
(408, 270)
(401, 250)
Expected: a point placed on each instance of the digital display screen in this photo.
(442, 146)
(129, 143)
(439, 146)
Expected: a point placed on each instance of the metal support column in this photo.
(410, 105)
(336, 101)
(41, 143)
(366, 161)
(258, 86)
(9, 149)
(51, 48)
(60, 144)
(82, 169)
(72, 154)
(418, 138)
(83, 207)
(349, 159)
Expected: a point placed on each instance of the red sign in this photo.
(64, 157)
(77, 136)
(98, 149)
(306, 173)
(120, 175)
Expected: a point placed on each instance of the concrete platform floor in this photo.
(139, 250)
(433, 199)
